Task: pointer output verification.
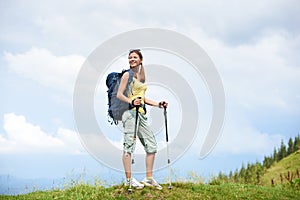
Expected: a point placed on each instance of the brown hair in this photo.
(137, 51)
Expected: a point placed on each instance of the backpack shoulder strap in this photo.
(130, 78)
(131, 74)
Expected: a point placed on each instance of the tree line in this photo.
(252, 173)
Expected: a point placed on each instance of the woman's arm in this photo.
(154, 103)
(150, 102)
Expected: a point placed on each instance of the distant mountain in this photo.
(12, 185)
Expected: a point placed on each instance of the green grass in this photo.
(188, 190)
(287, 165)
(179, 191)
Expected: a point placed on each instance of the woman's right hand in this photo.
(137, 101)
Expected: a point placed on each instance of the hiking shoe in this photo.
(134, 183)
(151, 182)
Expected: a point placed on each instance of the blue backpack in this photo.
(116, 107)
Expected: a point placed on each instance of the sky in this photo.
(254, 45)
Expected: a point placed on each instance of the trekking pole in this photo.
(135, 125)
(134, 139)
(168, 154)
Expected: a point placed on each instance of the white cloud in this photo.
(260, 75)
(243, 139)
(94, 21)
(40, 65)
(254, 45)
(22, 137)
(261, 81)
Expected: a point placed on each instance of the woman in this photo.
(136, 97)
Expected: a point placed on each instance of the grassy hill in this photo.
(281, 172)
(179, 191)
(285, 176)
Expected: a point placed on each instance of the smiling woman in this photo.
(135, 122)
(135, 58)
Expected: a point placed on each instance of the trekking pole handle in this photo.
(132, 102)
(162, 104)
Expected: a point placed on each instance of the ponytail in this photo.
(141, 73)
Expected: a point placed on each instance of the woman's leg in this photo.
(147, 138)
(149, 180)
(149, 164)
(127, 164)
(128, 143)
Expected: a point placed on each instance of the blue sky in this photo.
(255, 46)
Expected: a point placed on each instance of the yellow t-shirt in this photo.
(138, 89)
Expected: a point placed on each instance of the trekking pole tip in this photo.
(129, 190)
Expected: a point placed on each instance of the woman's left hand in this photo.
(163, 104)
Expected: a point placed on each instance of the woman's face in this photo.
(134, 60)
